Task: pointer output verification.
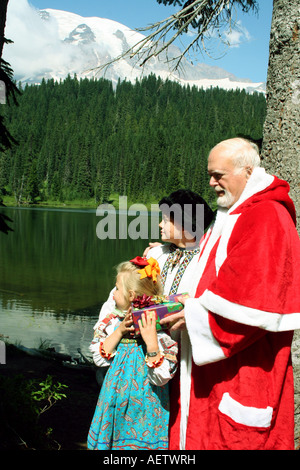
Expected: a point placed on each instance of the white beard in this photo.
(227, 200)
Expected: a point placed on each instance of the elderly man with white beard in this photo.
(238, 390)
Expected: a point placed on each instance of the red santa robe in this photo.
(239, 394)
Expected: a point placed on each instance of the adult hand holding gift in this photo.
(177, 320)
(161, 307)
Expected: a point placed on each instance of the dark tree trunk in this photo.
(281, 136)
(3, 9)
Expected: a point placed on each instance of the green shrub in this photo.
(22, 402)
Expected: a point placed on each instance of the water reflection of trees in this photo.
(54, 260)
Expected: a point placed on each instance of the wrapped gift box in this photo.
(162, 308)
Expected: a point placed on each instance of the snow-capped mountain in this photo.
(62, 43)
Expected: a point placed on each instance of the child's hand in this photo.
(147, 326)
(126, 325)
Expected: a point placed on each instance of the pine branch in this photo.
(206, 18)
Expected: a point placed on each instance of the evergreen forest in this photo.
(85, 140)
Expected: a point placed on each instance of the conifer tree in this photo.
(86, 142)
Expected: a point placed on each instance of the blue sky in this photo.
(249, 59)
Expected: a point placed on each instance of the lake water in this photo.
(55, 273)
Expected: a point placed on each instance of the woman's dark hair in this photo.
(187, 201)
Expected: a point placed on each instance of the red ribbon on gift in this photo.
(142, 301)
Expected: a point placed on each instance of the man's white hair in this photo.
(243, 152)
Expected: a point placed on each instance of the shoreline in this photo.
(9, 202)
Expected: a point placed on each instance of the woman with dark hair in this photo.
(185, 218)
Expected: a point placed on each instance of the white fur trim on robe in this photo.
(205, 348)
(270, 321)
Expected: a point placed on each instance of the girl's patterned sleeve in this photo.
(162, 374)
(103, 328)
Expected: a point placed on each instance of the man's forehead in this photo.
(219, 161)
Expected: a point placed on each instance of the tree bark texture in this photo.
(281, 135)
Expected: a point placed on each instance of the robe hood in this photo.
(275, 190)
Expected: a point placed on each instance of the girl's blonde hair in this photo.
(131, 281)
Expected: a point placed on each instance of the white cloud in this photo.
(237, 35)
(36, 45)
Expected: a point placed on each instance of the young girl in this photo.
(132, 411)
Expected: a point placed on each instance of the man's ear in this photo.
(249, 170)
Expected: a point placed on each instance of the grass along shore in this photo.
(114, 200)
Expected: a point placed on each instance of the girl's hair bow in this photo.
(150, 267)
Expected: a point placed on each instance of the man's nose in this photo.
(213, 181)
